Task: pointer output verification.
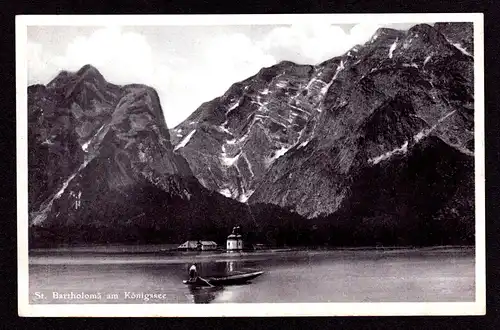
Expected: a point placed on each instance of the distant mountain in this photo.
(381, 134)
(102, 167)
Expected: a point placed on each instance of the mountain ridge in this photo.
(392, 65)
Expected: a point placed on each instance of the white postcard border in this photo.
(478, 307)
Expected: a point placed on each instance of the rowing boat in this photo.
(224, 280)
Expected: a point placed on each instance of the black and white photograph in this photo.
(250, 165)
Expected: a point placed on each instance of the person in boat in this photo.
(194, 277)
(193, 273)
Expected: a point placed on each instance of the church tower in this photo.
(235, 240)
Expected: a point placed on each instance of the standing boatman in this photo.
(193, 273)
(193, 276)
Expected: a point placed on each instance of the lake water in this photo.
(116, 276)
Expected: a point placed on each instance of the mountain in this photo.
(375, 146)
(382, 136)
(102, 168)
(231, 142)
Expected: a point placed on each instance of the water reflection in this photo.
(218, 268)
(204, 295)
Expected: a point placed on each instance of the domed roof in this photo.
(235, 234)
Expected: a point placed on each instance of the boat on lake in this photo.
(233, 279)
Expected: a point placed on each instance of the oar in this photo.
(204, 280)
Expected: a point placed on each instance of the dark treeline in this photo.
(272, 227)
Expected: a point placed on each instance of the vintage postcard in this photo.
(250, 165)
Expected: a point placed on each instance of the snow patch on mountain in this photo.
(297, 108)
(411, 65)
(185, 140)
(66, 183)
(303, 144)
(420, 135)
(427, 59)
(226, 192)
(459, 47)
(249, 165)
(229, 161)
(262, 106)
(426, 131)
(392, 48)
(462, 49)
(224, 129)
(417, 137)
(339, 68)
(233, 106)
(243, 138)
(42, 215)
(47, 142)
(407, 43)
(85, 146)
(281, 84)
(326, 87)
(280, 152)
(401, 150)
(312, 81)
(245, 196)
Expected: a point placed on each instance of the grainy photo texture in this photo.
(249, 161)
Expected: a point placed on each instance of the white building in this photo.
(198, 245)
(235, 240)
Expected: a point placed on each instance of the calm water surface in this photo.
(100, 276)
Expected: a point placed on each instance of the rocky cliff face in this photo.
(232, 141)
(378, 132)
(102, 167)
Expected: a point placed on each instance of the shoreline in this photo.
(165, 249)
(152, 258)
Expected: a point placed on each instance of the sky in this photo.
(187, 65)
